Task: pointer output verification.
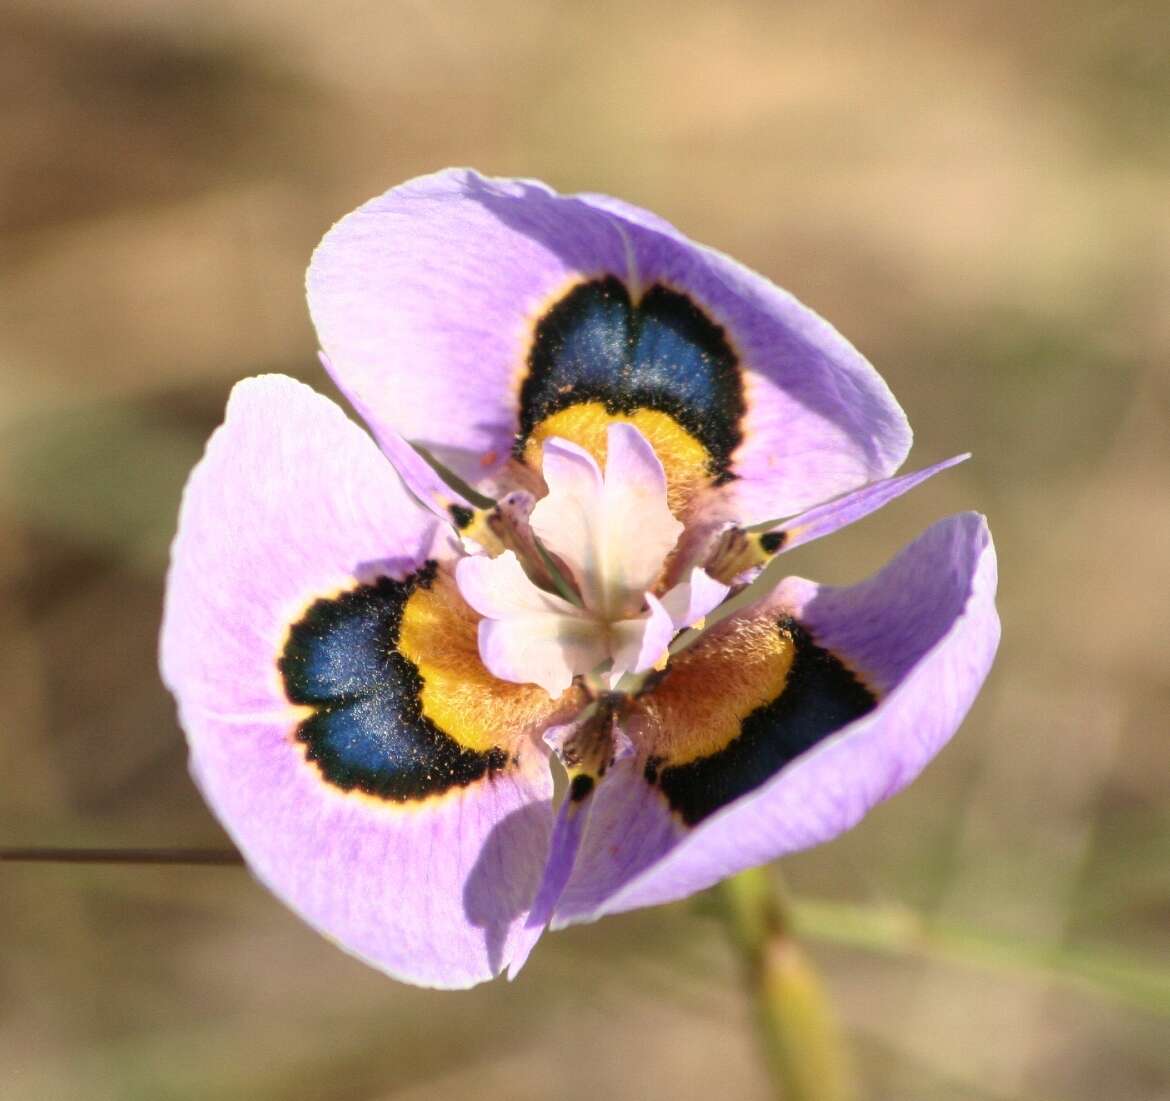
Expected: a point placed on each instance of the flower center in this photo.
(606, 537)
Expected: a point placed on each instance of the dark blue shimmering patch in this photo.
(661, 353)
(367, 730)
(819, 697)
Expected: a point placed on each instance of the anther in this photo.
(737, 550)
(588, 751)
(505, 527)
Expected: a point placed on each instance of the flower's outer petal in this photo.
(420, 477)
(827, 518)
(425, 297)
(628, 831)
(296, 591)
(588, 748)
(291, 501)
(568, 830)
(528, 636)
(818, 420)
(471, 314)
(434, 894)
(921, 633)
(693, 599)
(639, 644)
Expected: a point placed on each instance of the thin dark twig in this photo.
(34, 855)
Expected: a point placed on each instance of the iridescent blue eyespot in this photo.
(368, 730)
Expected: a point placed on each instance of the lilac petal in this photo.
(820, 420)
(922, 632)
(426, 301)
(420, 477)
(291, 506)
(630, 829)
(291, 501)
(829, 517)
(434, 894)
(568, 830)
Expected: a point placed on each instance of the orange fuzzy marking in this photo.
(700, 706)
(686, 462)
(438, 635)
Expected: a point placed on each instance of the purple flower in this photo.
(373, 667)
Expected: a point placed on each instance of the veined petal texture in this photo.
(474, 315)
(331, 742)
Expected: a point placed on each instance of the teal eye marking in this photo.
(662, 353)
(367, 730)
(819, 696)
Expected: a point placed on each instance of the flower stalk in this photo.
(798, 1031)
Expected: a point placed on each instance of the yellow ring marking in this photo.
(438, 635)
(700, 706)
(685, 460)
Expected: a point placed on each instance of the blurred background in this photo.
(974, 193)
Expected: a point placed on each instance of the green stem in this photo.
(800, 1037)
(895, 930)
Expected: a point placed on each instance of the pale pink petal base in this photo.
(639, 644)
(694, 599)
(613, 531)
(527, 636)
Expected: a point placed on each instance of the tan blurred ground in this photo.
(976, 194)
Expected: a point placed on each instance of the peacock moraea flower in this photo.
(379, 648)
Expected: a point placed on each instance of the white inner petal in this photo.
(691, 600)
(613, 533)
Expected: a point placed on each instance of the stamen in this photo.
(738, 550)
(505, 527)
(476, 526)
(588, 751)
(559, 578)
